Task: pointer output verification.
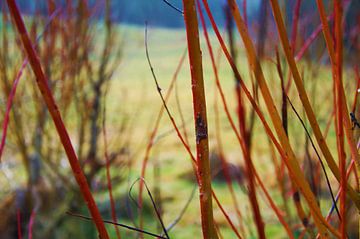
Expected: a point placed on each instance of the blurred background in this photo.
(93, 55)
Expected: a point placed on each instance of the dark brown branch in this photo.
(117, 224)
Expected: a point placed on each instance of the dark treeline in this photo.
(156, 12)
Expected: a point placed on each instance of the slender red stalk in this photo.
(31, 224)
(18, 217)
(353, 108)
(328, 124)
(227, 175)
(55, 114)
(225, 166)
(294, 30)
(295, 22)
(310, 40)
(356, 176)
(241, 112)
(277, 211)
(226, 215)
(244, 6)
(281, 179)
(222, 154)
(339, 107)
(108, 177)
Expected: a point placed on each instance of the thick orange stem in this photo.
(201, 131)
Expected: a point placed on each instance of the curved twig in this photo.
(173, 7)
(152, 201)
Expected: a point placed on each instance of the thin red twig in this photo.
(108, 174)
(31, 224)
(18, 217)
